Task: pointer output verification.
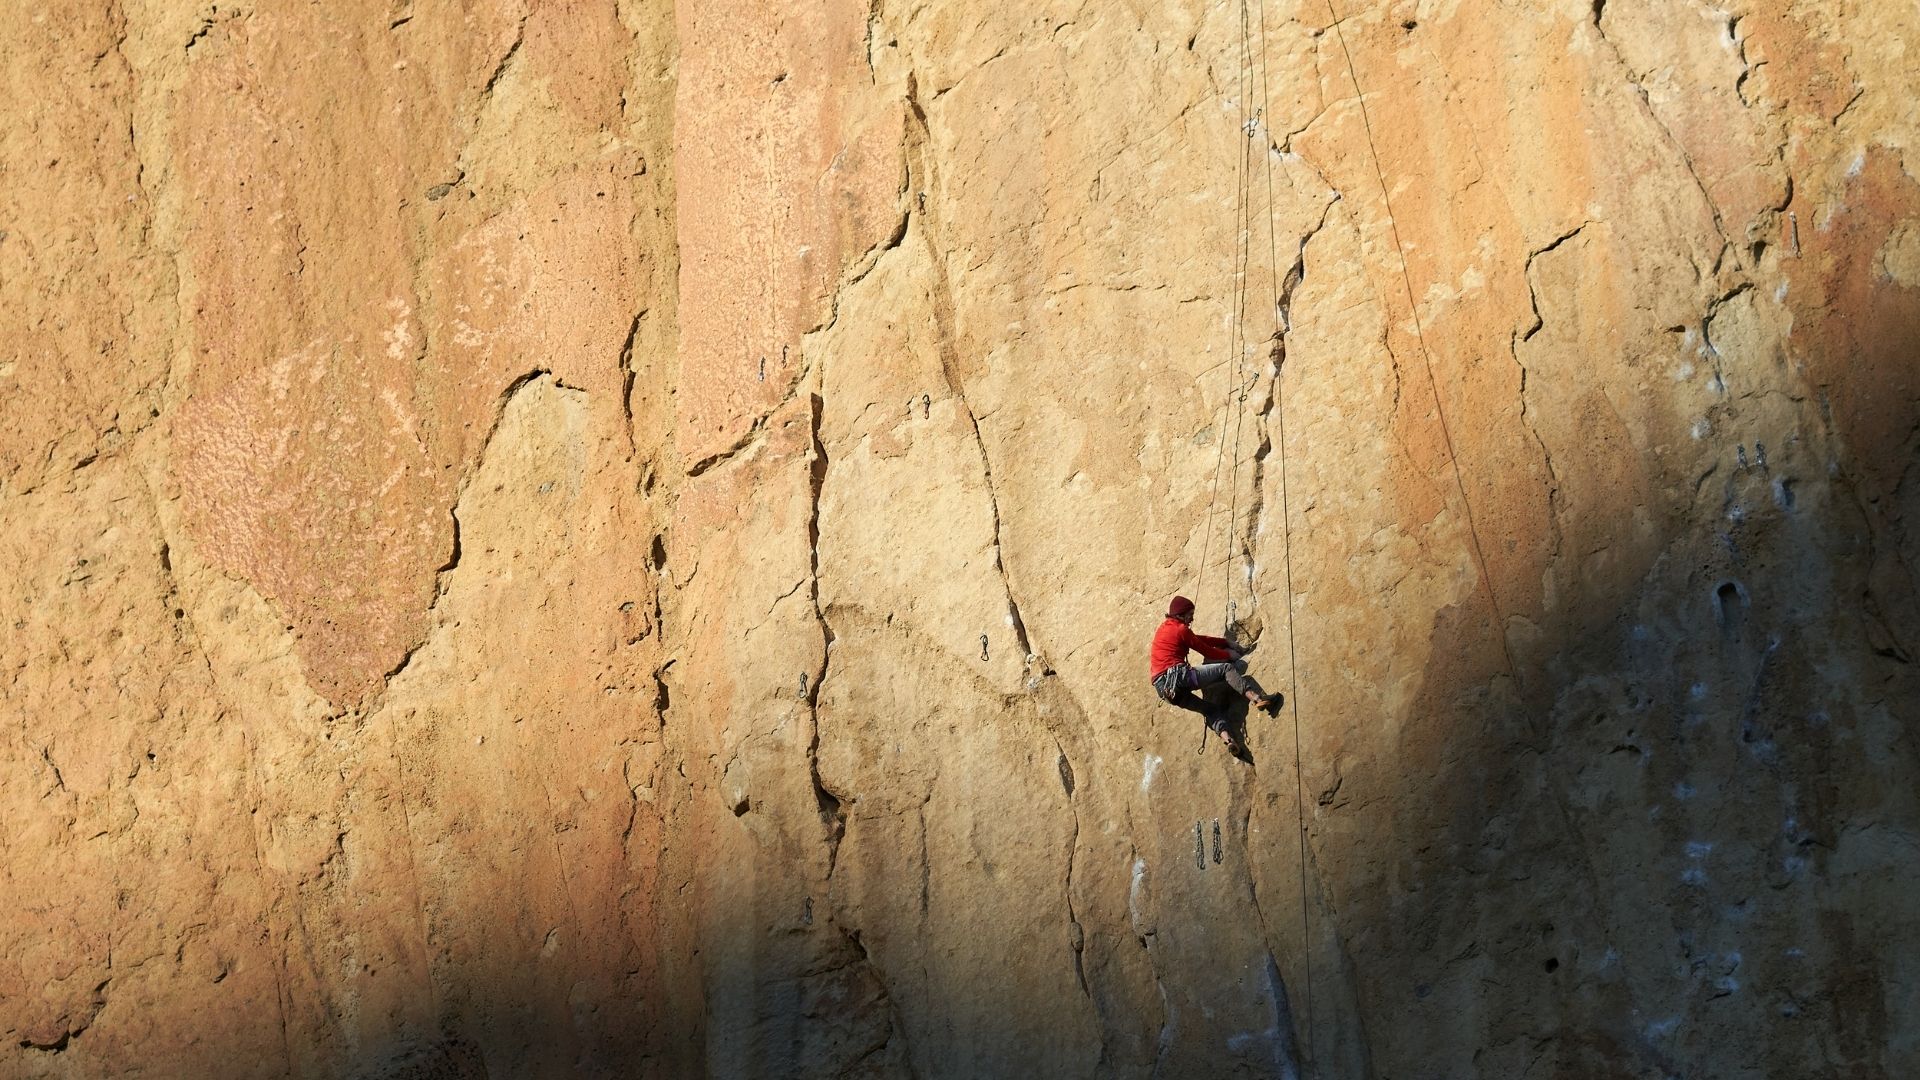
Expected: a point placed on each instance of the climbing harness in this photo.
(1168, 683)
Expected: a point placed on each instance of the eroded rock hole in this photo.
(1066, 774)
(1730, 606)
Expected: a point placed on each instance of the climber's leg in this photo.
(1186, 699)
(1258, 696)
(1183, 696)
(1234, 674)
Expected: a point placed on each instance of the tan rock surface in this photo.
(579, 537)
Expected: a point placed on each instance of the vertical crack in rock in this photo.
(59, 781)
(829, 804)
(917, 139)
(1257, 504)
(299, 246)
(1077, 935)
(627, 379)
(833, 817)
(1297, 273)
(1555, 531)
(1283, 312)
(866, 44)
(943, 315)
(1019, 624)
(1076, 932)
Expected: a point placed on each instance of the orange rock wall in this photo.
(582, 537)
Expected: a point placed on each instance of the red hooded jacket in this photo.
(1174, 638)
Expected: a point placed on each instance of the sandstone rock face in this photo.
(582, 537)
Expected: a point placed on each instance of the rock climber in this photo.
(1175, 680)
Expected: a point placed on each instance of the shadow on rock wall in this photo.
(1677, 839)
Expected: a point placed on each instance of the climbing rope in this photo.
(1286, 532)
(1237, 391)
(1252, 124)
(1426, 353)
(1249, 126)
(1236, 348)
(1238, 384)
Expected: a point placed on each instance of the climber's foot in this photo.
(1233, 744)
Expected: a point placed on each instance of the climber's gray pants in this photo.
(1231, 672)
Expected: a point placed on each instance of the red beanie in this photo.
(1180, 607)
